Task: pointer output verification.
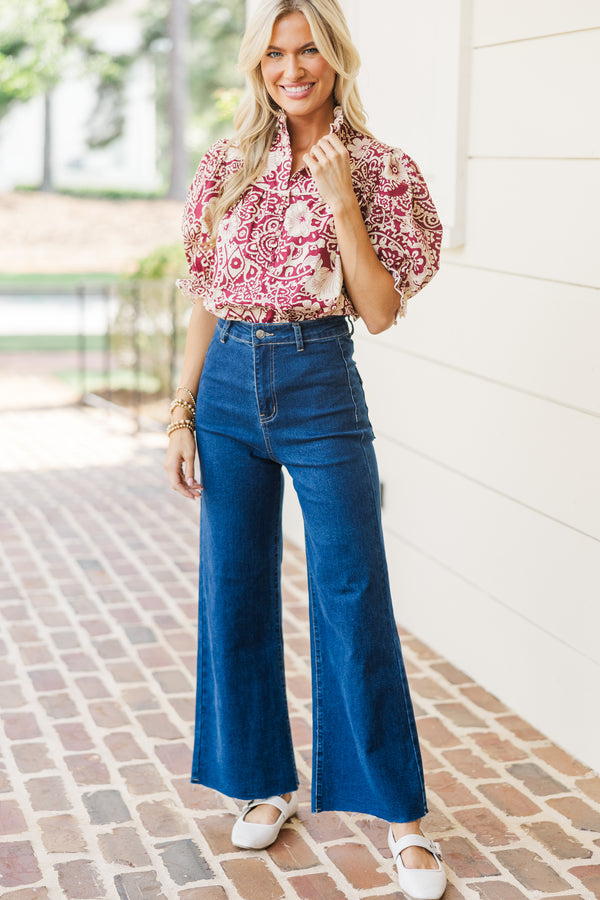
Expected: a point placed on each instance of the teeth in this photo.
(297, 90)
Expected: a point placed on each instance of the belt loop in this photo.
(225, 330)
(298, 336)
(350, 326)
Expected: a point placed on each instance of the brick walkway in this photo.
(97, 657)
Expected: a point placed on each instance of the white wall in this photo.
(486, 398)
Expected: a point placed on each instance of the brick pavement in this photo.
(97, 656)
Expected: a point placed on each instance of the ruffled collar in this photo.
(335, 127)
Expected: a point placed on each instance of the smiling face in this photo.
(297, 77)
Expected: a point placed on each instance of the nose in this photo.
(293, 67)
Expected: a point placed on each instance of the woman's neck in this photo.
(305, 131)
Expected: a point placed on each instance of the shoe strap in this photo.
(414, 840)
(276, 801)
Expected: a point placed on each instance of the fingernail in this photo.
(190, 481)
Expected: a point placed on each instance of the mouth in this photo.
(297, 90)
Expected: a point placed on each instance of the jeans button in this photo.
(260, 334)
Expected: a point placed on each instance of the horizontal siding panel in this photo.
(538, 675)
(535, 336)
(514, 20)
(541, 570)
(525, 98)
(543, 454)
(534, 217)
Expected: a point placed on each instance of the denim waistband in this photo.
(298, 333)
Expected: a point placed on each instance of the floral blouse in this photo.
(276, 257)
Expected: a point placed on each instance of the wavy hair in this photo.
(255, 120)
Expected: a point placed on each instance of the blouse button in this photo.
(260, 334)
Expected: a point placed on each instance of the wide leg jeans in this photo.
(277, 395)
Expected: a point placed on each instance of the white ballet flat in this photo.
(255, 836)
(418, 884)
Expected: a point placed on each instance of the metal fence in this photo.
(119, 344)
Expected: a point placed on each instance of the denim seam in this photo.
(403, 682)
(317, 773)
(316, 340)
(348, 379)
(276, 586)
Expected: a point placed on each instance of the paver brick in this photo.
(560, 844)
(469, 764)
(73, 736)
(196, 796)
(106, 807)
(316, 886)
(465, 859)
(358, 865)
(108, 714)
(478, 695)
(18, 865)
(48, 794)
(290, 852)
(215, 892)
(497, 890)
(580, 813)
(123, 846)
(184, 861)
(520, 728)
(92, 687)
(497, 748)
(508, 799)
(158, 725)
(589, 876)
(460, 715)
(61, 834)
(31, 757)
(161, 819)
(33, 893)
(176, 757)
(536, 779)
(488, 829)
(451, 791)
(87, 768)
(252, 879)
(531, 871)
(139, 886)
(12, 820)
(591, 787)
(59, 706)
(435, 733)
(20, 726)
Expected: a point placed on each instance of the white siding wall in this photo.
(486, 398)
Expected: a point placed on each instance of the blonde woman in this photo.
(301, 224)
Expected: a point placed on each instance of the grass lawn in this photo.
(48, 343)
(10, 280)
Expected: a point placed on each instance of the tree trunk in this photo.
(47, 180)
(178, 90)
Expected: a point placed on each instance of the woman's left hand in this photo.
(329, 164)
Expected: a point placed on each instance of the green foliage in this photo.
(167, 261)
(32, 35)
(216, 28)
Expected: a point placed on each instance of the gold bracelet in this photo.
(176, 426)
(182, 387)
(184, 405)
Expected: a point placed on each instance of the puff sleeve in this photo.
(403, 225)
(198, 219)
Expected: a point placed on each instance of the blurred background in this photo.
(105, 109)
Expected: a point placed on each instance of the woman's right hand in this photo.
(179, 464)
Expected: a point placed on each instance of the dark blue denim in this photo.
(290, 395)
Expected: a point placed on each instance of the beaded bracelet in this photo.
(184, 423)
(184, 405)
(182, 387)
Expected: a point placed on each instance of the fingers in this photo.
(179, 465)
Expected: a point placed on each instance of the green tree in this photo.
(214, 84)
(32, 36)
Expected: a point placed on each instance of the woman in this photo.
(300, 225)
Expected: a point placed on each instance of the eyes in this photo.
(277, 54)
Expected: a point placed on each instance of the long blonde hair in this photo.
(256, 117)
